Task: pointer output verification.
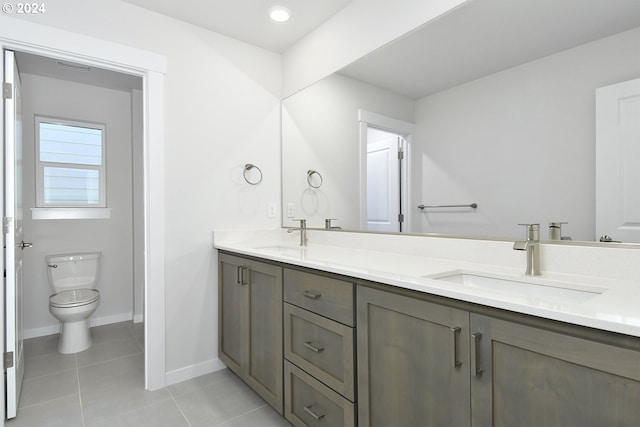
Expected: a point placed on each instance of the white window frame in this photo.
(40, 165)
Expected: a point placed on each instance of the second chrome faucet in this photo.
(532, 246)
(303, 231)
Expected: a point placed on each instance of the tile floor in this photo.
(104, 387)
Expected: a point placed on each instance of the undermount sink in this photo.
(533, 287)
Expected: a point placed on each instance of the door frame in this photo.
(368, 119)
(47, 41)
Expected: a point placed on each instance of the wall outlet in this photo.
(290, 210)
(272, 210)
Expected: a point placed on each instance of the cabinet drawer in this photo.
(308, 402)
(321, 347)
(328, 297)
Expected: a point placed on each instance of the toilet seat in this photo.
(74, 298)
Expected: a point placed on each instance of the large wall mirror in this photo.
(492, 105)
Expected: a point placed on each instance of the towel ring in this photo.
(310, 174)
(247, 168)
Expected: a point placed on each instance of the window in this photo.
(70, 163)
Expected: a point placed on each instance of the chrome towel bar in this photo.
(472, 205)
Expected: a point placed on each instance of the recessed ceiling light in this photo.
(279, 13)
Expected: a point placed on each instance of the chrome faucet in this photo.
(555, 231)
(532, 246)
(303, 231)
(328, 226)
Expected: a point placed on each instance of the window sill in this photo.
(70, 213)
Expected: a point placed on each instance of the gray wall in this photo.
(520, 143)
(114, 236)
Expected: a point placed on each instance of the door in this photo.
(617, 160)
(384, 157)
(525, 376)
(14, 242)
(231, 312)
(263, 342)
(250, 324)
(413, 362)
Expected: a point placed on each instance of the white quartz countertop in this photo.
(610, 304)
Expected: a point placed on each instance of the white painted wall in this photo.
(495, 140)
(358, 29)
(222, 110)
(320, 125)
(113, 237)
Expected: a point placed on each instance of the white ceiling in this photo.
(248, 20)
(245, 20)
(482, 37)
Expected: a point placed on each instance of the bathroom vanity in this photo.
(338, 333)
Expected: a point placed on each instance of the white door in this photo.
(383, 181)
(14, 243)
(618, 161)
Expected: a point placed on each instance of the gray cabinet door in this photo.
(532, 377)
(413, 362)
(264, 332)
(231, 314)
(250, 324)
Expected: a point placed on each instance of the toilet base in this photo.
(74, 337)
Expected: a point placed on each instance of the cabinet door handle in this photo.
(455, 331)
(312, 294)
(240, 275)
(313, 414)
(476, 370)
(312, 347)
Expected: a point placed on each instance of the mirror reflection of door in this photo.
(385, 160)
(617, 159)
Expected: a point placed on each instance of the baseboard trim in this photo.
(193, 371)
(55, 328)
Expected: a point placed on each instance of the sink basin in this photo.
(533, 287)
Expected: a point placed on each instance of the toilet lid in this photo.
(74, 298)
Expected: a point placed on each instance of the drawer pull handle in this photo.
(240, 275)
(313, 347)
(313, 414)
(476, 370)
(312, 294)
(455, 331)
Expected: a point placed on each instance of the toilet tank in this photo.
(73, 270)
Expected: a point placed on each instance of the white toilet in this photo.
(73, 279)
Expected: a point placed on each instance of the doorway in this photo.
(385, 163)
(47, 41)
(65, 100)
(91, 96)
(384, 172)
